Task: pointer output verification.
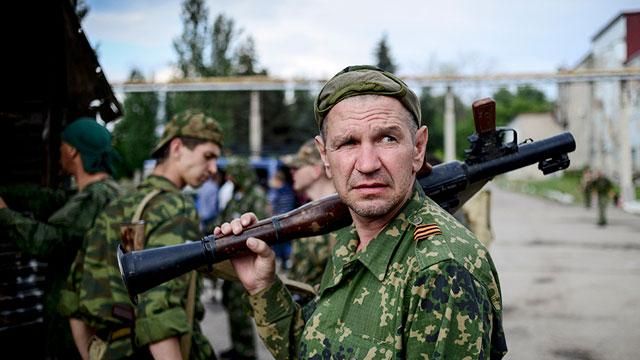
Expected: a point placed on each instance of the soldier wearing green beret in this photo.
(165, 321)
(247, 196)
(309, 255)
(405, 280)
(85, 154)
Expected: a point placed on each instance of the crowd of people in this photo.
(405, 280)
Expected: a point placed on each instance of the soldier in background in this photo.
(247, 196)
(165, 321)
(587, 189)
(309, 255)
(86, 155)
(604, 188)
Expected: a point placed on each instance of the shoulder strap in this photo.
(140, 209)
(185, 340)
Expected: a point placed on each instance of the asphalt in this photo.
(571, 289)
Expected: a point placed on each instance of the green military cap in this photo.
(93, 141)
(364, 80)
(308, 154)
(191, 124)
(239, 168)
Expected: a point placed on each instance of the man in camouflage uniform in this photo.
(405, 280)
(248, 196)
(163, 319)
(604, 188)
(85, 154)
(309, 255)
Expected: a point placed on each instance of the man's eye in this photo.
(388, 139)
(347, 142)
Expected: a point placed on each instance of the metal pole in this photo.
(449, 127)
(627, 192)
(255, 125)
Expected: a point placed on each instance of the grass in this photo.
(565, 188)
(555, 187)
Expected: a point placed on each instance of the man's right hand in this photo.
(257, 271)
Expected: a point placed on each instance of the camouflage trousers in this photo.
(240, 324)
(603, 202)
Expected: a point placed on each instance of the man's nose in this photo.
(368, 160)
(212, 167)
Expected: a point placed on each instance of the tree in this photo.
(526, 100)
(383, 56)
(432, 108)
(246, 58)
(134, 135)
(222, 38)
(190, 46)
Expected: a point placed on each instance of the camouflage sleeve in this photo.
(161, 310)
(451, 315)
(37, 200)
(279, 320)
(63, 231)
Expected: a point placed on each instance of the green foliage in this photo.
(526, 100)
(191, 44)
(288, 125)
(432, 108)
(383, 56)
(285, 126)
(222, 39)
(134, 135)
(246, 58)
(567, 183)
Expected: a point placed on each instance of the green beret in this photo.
(191, 124)
(93, 142)
(364, 80)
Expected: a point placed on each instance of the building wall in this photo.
(607, 134)
(535, 126)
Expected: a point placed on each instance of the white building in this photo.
(604, 116)
(534, 126)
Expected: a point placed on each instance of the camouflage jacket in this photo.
(309, 258)
(424, 288)
(58, 239)
(160, 314)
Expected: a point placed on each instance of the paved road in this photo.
(571, 289)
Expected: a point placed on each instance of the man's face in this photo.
(370, 154)
(305, 176)
(199, 164)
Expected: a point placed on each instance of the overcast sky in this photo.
(315, 39)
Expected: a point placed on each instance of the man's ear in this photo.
(72, 151)
(175, 148)
(422, 138)
(322, 149)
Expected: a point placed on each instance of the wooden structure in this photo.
(50, 76)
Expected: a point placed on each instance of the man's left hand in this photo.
(2, 203)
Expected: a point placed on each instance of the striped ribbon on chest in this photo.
(425, 230)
